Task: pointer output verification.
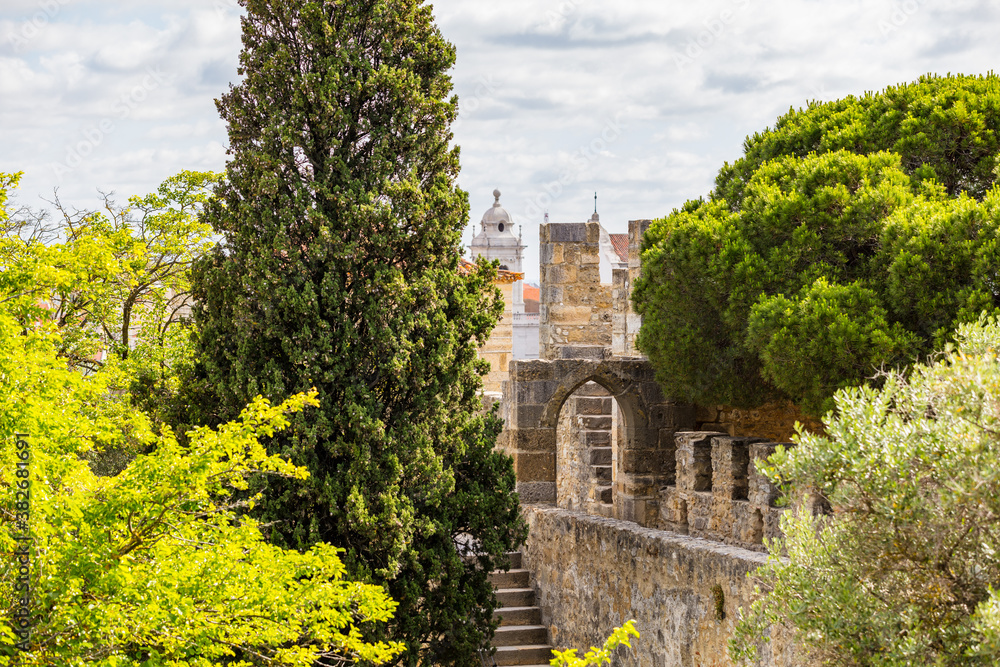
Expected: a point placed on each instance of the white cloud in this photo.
(538, 81)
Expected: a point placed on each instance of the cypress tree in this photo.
(339, 270)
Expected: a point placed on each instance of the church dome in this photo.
(496, 240)
(497, 216)
(497, 227)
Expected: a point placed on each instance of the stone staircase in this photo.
(521, 638)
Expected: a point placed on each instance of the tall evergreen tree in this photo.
(339, 271)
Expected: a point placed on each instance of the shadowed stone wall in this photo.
(592, 574)
(583, 450)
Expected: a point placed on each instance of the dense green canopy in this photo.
(342, 227)
(851, 237)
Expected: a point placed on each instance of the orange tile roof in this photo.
(620, 243)
(465, 267)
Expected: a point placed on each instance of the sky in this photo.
(638, 101)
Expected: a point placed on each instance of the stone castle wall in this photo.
(592, 574)
(774, 421)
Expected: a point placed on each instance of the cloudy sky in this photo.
(640, 101)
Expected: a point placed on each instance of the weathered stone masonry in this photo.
(533, 398)
(593, 574)
(689, 510)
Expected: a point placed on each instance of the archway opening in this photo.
(588, 431)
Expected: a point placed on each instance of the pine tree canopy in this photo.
(339, 270)
(854, 236)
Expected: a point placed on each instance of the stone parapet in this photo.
(719, 493)
(592, 574)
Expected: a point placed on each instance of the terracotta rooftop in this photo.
(465, 267)
(620, 243)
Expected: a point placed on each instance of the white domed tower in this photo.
(496, 241)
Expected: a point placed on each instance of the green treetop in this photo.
(852, 236)
(339, 270)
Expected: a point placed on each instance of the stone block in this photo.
(762, 493)
(538, 392)
(600, 456)
(591, 274)
(596, 423)
(593, 233)
(536, 492)
(559, 273)
(534, 369)
(595, 352)
(535, 466)
(571, 232)
(699, 510)
(601, 474)
(591, 389)
(597, 438)
(638, 461)
(592, 405)
(532, 440)
(731, 467)
(694, 459)
(566, 313)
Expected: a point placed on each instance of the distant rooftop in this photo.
(620, 243)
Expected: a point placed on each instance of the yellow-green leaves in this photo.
(158, 565)
(596, 656)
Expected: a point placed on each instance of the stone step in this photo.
(521, 635)
(596, 423)
(519, 616)
(516, 597)
(601, 473)
(604, 494)
(511, 579)
(514, 559)
(596, 438)
(532, 654)
(600, 456)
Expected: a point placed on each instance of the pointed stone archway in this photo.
(533, 398)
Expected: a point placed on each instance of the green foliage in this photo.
(903, 570)
(156, 565)
(112, 280)
(342, 226)
(853, 236)
(596, 656)
(116, 286)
